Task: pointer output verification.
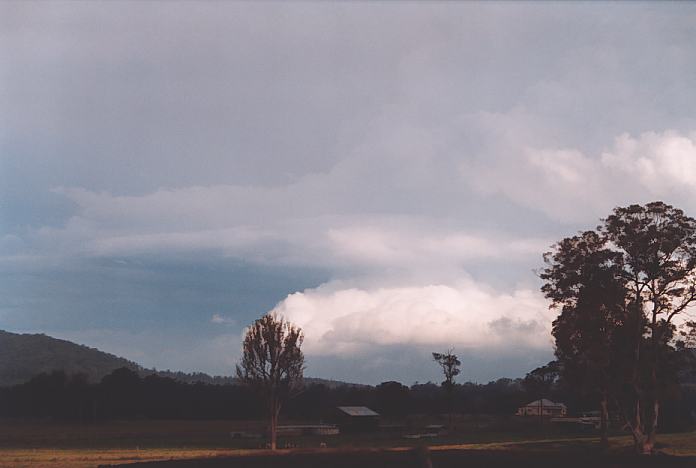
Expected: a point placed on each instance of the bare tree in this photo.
(450, 368)
(272, 363)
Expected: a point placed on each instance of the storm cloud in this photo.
(385, 174)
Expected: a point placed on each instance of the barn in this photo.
(356, 419)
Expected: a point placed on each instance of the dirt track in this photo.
(439, 459)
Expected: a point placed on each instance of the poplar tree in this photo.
(272, 363)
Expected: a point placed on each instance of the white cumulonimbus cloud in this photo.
(340, 320)
(572, 186)
(662, 163)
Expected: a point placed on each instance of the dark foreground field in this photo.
(208, 444)
(423, 458)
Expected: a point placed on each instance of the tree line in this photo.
(123, 395)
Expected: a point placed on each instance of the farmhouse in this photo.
(357, 419)
(543, 407)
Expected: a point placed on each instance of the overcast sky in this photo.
(386, 175)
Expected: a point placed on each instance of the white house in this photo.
(543, 407)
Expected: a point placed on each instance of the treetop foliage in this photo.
(618, 289)
(450, 366)
(271, 353)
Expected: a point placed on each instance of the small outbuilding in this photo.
(543, 407)
(356, 419)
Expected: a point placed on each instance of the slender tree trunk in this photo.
(274, 432)
(449, 409)
(639, 441)
(274, 424)
(651, 426)
(637, 429)
(604, 422)
(644, 435)
(635, 422)
(649, 444)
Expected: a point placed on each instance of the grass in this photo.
(161, 434)
(51, 445)
(91, 458)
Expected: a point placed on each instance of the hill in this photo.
(23, 356)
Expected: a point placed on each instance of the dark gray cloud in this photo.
(163, 164)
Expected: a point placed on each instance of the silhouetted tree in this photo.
(658, 246)
(583, 277)
(70, 398)
(450, 366)
(449, 362)
(634, 275)
(392, 398)
(272, 363)
(540, 382)
(687, 335)
(120, 391)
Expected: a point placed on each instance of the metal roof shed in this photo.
(357, 419)
(358, 411)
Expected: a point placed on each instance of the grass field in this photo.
(215, 434)
(537, 453)
(551, 453)
(90, 458)
(452, 458)
(25, 444)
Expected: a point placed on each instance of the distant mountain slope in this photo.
(23, 356)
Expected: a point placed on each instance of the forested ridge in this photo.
(25, 356)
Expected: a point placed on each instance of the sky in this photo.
(385, 175)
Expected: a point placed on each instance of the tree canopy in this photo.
(449, 362)
(272, 362)
(619, 289)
